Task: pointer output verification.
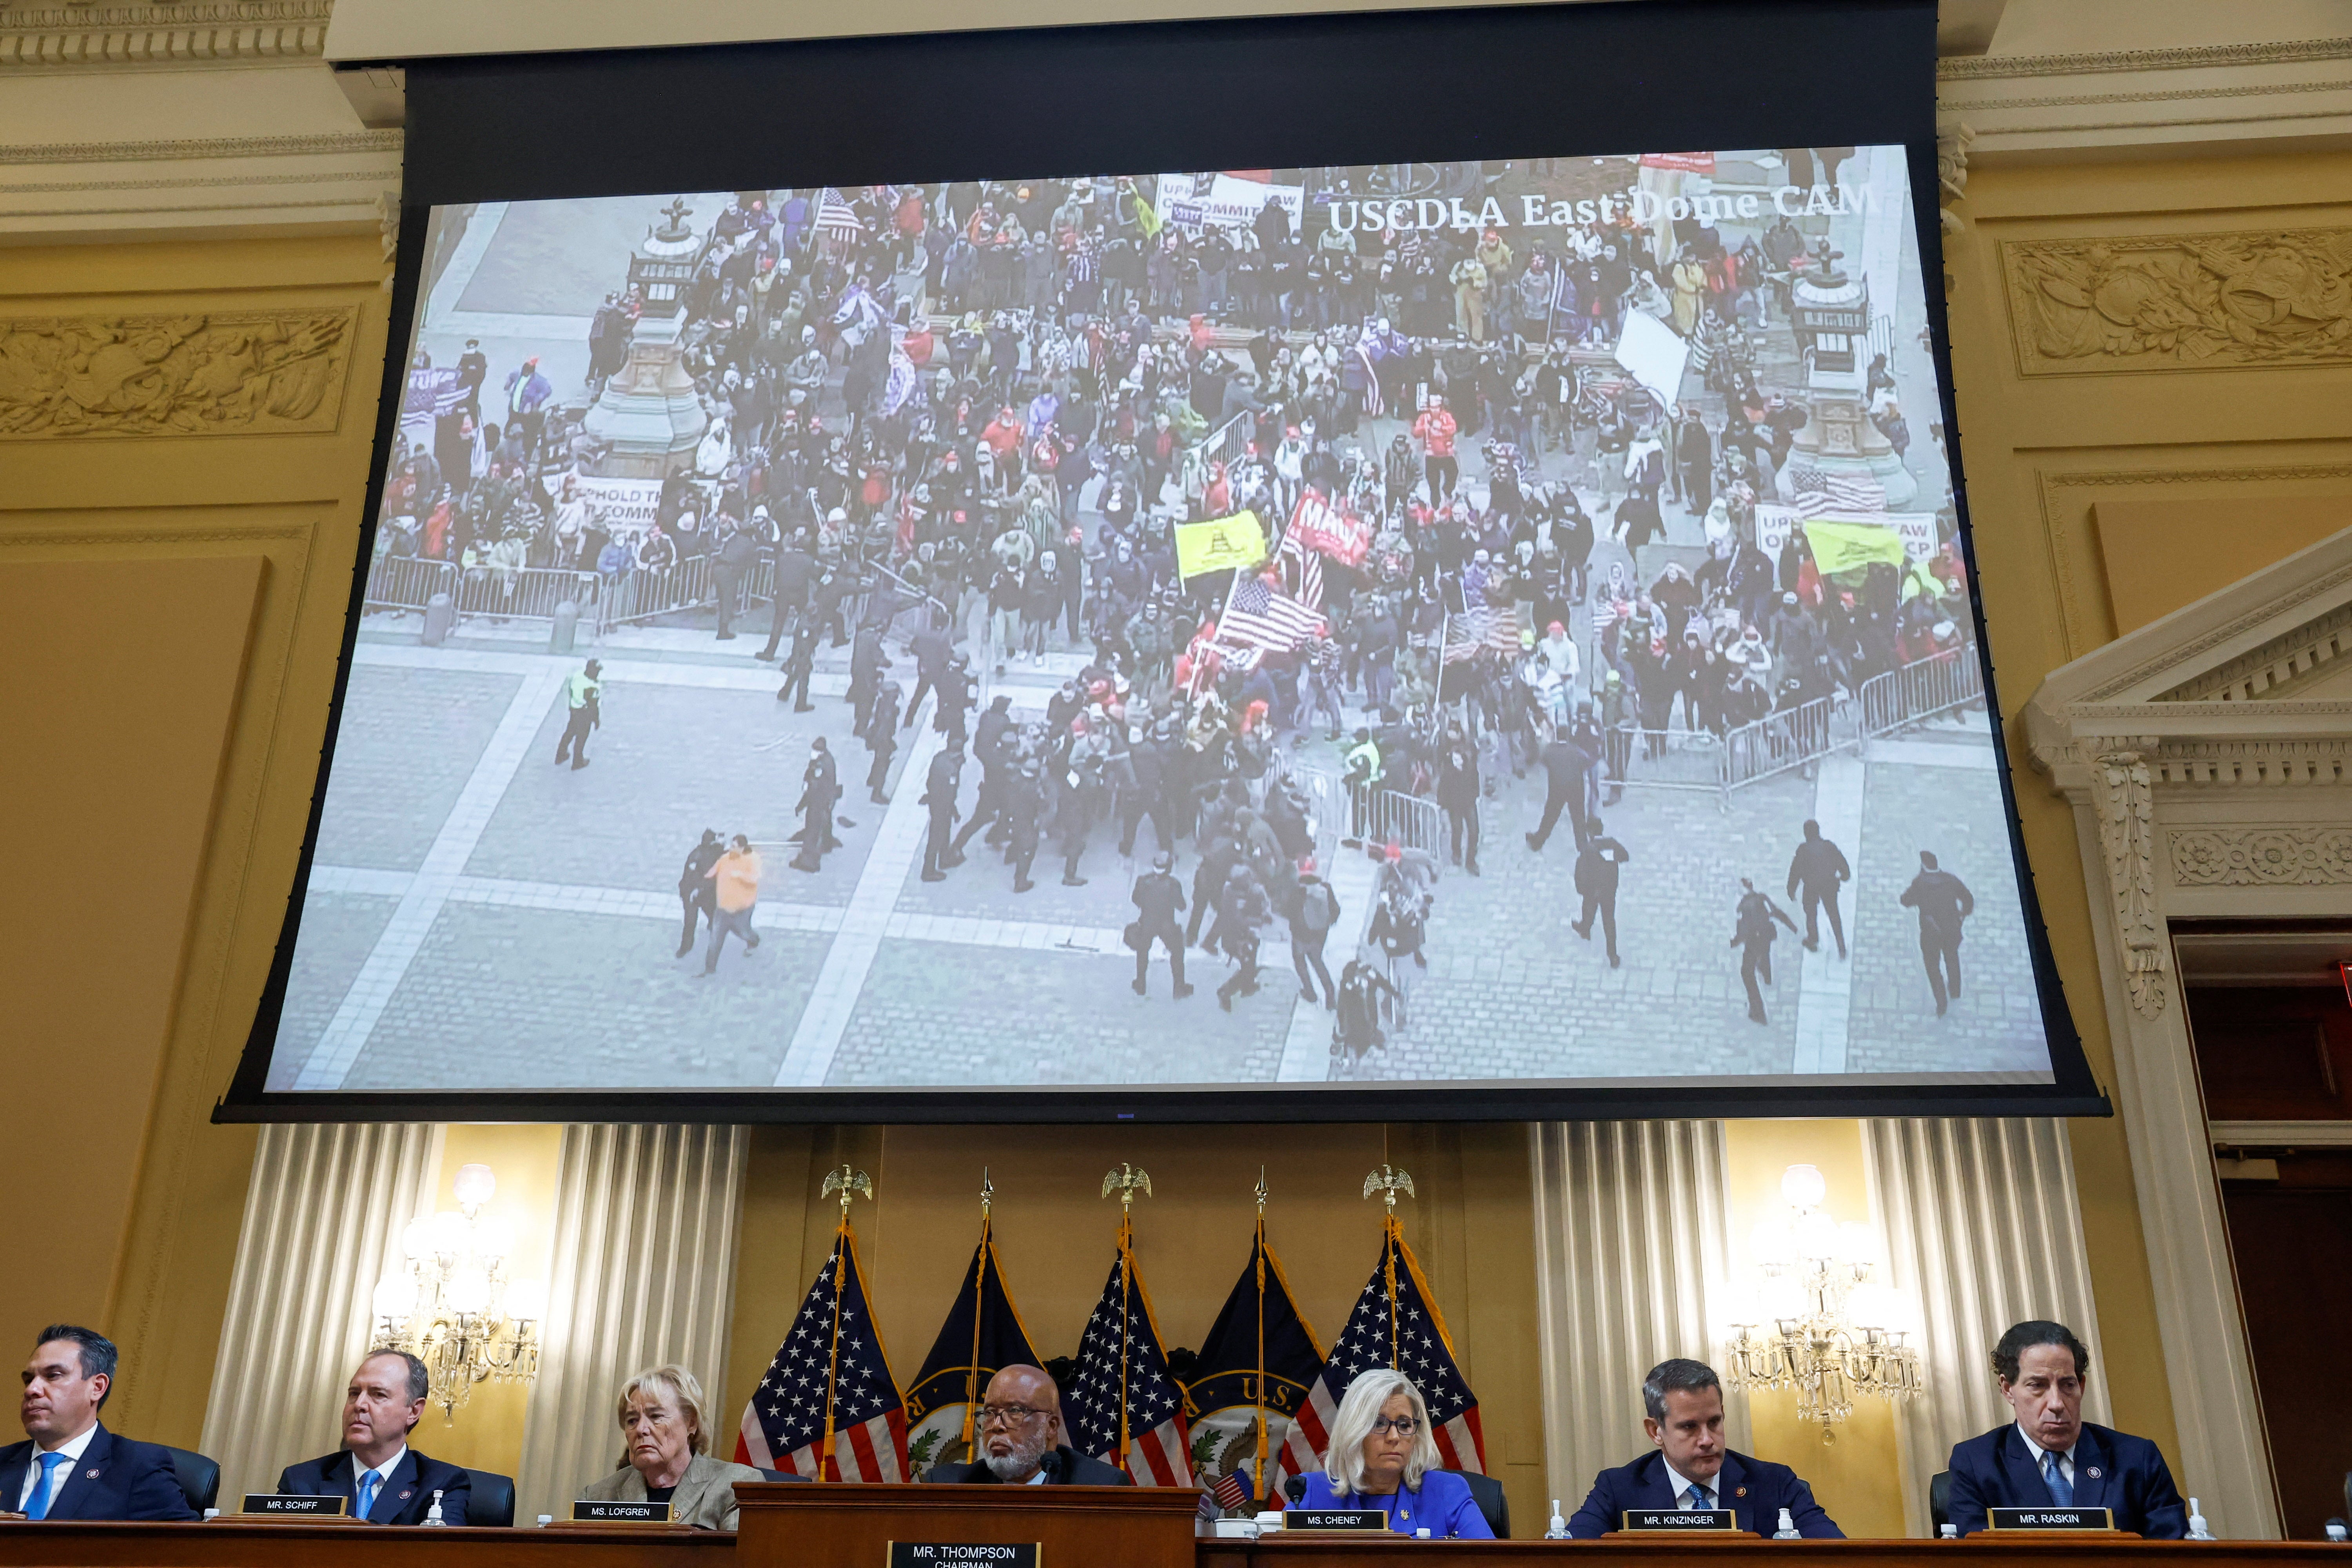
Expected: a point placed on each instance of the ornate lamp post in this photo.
(650, 415)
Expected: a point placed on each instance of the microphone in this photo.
(1049, 1463)
(1295, 1489)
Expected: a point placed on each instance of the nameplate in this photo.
(962, 1554)
(295, 1505)
(585, 1512)
(2051, 1518)
(1679, 1518)
(1335, 1518)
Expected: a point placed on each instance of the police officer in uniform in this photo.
(1158, 900)
(939, 787)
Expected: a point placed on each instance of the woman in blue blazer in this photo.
(1383, 1456)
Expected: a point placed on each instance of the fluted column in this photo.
(1630, 1261)
(645, 1269)
(323, 1213)
(1984, 1229)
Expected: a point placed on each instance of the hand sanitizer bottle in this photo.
(2197, 1531)
(433, 1514)
(1788, 1530)
(1559, 1530)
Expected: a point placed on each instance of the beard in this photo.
(1016, 1465)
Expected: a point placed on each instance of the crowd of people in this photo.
(973, 416)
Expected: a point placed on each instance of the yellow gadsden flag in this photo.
(1219, 544)
(1843, 546)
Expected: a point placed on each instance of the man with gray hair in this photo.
(384, 1479)
(1021, 1439)
(1691, 1469)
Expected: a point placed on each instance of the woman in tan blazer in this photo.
(666, 1431)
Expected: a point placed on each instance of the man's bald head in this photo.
(1020, 1422)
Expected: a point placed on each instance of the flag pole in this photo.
(1388, 1182)
(848, 1182)
(1127, 1181)
(978, 1302)
(1260, 1391)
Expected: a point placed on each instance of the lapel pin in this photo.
(405, 1495)
(91, 1474)
(2093, 1472)
(1739, 1492)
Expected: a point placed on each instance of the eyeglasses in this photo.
(1403, 1426)
(1010, 1415)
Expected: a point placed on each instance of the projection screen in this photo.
(1004, 636)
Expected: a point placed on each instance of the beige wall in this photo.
(172, 605)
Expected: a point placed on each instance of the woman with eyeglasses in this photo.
(1383, 1456)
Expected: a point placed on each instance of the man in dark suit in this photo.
(71, 1467)
(1692, 1469)
(387, 1481)
(1022, 1440)
(2050, 1455)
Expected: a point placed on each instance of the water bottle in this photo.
(545, 1519)
(2336, 1530)
(1787, 1530)
(1951, 1533)
(212, 1513)
(433, 1514)
(1421, 1534)
(1558, 1531)
(2197, 1531)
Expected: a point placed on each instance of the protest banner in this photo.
(1323, 527)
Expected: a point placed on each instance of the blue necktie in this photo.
(45, 1490)
(369, 1481)
(1699, 1498)
(2061, 1490)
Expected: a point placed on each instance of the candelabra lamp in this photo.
(452, 1304)
(1819, 1322)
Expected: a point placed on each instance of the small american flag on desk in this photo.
(829, 1380)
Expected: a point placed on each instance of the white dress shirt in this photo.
(383, 1478)
(71, 1448)
(1683, 1485)
(2033, 1452)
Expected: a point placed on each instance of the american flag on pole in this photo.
(1483, 626)
(828, 1408)
(1123, 1406)
(1396, 1325)
(1301, 569)
(1258, 615)
(1257, 1367)
(834, 213)
(1815, 490)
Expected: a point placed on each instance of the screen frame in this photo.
(527, 127)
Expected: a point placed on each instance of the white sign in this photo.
(1654, 355)
(624, 507)
(1224, 201)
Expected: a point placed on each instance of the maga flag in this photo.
(828, 1408)
(982, 1335)
(1124, 1406)
(1260, 1341)
(1395, 1324)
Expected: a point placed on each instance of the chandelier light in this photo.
(451, 1303)
(1819, 1322)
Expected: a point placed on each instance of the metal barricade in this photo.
(524, 593)
(1789, 739)
(1921, 690)
(1392, 816)
(406, 582)
(1219, 445)
(642, 595)
(1672, 759)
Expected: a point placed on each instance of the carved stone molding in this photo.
(1952, 142)
(2294, 854)
(2190, 301)
(327, 143)
(40, 38)
(235, 373)
(2125, 800)
(2190, 57)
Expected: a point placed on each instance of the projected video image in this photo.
(1436, 622)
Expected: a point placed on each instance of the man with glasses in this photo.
(1022, 1440)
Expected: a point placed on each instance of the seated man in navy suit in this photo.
(1692, 1469)
(2050, 1455)
(387, 1481)
(71, 1467)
